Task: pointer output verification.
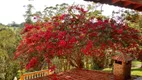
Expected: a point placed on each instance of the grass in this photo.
(136, 63)
(107, 69)
(135, 70)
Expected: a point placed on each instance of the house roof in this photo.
(123, 58)
(131, 4)
(79, 74)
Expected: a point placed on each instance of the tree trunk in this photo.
(87, 64)
(80, 63)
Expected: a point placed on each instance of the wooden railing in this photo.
(37, 74)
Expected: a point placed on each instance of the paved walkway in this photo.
(139, 78)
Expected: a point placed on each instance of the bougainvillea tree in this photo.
(73, 35)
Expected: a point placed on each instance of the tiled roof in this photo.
(122, 58)
(80, 74)
(132, 4)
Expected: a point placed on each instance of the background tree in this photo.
(28, 15)
(8, 44)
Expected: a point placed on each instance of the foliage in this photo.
(8, 44)
(132, 18)
(57, 10)
(3, 57)
(136, 63)
(73, 35)
(28, 15)
(14, 24)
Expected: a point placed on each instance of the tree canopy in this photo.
(8, 44)
(74, 34)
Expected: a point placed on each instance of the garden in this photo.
(74, 38)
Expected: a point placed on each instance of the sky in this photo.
(13, 10)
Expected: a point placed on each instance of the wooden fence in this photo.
(36, 74)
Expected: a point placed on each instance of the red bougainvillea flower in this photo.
(72, 40)
(61, 35)
(39, 48)
(16, 55)
(48, 60)
(60, 52)
(52, 68)
(62, 43)
(89, 45)
(30, 50)
(32, 63)
(120, 31)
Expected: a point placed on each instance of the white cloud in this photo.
(13, 10)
